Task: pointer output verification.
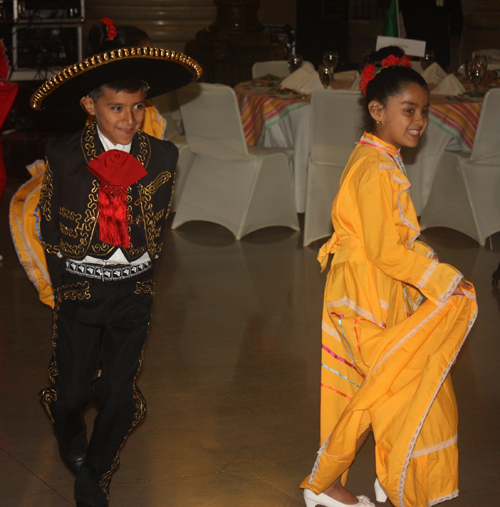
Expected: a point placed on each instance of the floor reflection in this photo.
(231, 377)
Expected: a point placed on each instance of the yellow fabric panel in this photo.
(23, 216)
(386, 356)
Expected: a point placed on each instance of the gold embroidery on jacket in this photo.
(51, 249)
(46, 192)
(153, 222)
(88, 141)
(70, 215)
(144, 149)
(83, 231)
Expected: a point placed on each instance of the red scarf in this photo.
(116, 170)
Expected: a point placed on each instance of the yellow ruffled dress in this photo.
(24, 215)
(391, 331)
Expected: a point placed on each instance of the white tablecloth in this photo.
(293, 131)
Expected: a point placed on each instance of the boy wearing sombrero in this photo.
(104, 202)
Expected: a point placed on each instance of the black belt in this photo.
(107, 273)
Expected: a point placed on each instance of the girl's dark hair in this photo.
(389, 82)
(126, 36)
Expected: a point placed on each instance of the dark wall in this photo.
(323, 25)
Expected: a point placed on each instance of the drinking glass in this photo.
(331, 57)
(428, 59)
(326, 73)
(294, 62)
(473, 71)
(482, 62)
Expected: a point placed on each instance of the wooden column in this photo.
(234, 42)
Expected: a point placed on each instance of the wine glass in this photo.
(326, 73)
(428, 59)
(331, 58)
(294, 62)
(482, 62)
(473, 71)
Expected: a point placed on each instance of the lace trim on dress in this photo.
(443, 498)
(428, 273)
(330, 330)
(405, 186)
(435, 447)
(449, 291)
(345, 301)
(384, 304)
(419, 427)
(316, 463)
(396, 161)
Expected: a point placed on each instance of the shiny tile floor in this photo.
(231, 378)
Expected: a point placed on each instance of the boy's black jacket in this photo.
(69, 197)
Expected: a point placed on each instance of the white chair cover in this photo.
(240, 187)
(465, 191)
(336, 125)
(168, 107)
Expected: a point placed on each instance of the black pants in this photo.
(96, 324)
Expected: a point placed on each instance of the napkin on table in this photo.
(304, 80)
(450, 85)
(355, 84)
(347, 75)
(434, 73)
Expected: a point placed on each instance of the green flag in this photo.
(392, 24)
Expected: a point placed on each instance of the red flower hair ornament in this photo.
(370, 71)
(110, 27)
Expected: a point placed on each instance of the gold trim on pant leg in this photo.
(140, 405)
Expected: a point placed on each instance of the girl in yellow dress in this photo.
(394, 317)
(24, 214)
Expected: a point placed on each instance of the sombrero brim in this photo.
(162, 69)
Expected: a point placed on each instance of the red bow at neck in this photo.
(116, 170)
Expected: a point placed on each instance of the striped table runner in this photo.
(459, 119)
(260, 110)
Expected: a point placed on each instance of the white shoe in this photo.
(380, 494)
(312, 500)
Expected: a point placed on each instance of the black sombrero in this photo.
(162, 69)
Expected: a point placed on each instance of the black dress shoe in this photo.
(72, 460)
(73, 453)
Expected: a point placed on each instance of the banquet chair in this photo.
(243, 188)
(336, 122)
(168, 107)
(465, 194)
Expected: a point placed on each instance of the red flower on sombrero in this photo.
(116, 170)
(110, 27)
